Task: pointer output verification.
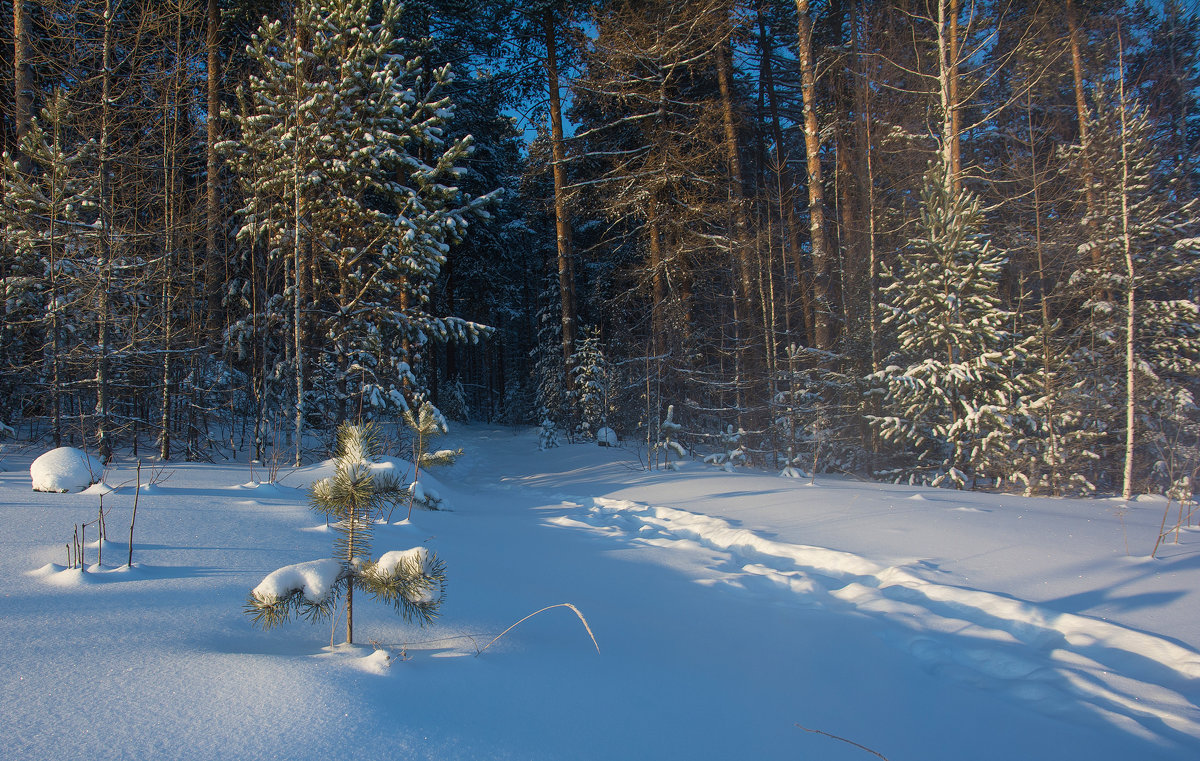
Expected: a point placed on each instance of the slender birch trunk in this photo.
(1130, 292)
(104, 337)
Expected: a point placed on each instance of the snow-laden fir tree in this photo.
(353, 191)
(353, 498)
(1137, 355)
(47, 213)
(951, 386)
(592, 384)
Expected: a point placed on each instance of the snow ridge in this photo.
(1060, 662)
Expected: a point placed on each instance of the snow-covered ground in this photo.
(733, 611)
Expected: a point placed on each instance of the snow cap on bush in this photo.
(65, 469)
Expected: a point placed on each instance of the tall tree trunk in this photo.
(744, 311)
(658, 282)
(22, 79)
(562, 218)
(955, 114)
(1130, 293)
(1081, 111)
(298, 233)
(822, 322)
(215, 267)
(1049, 391)
(862, 104)
(737, 193)
(947, 89)
(103, 434)
(788, 191)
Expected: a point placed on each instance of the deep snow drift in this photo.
(733, 612)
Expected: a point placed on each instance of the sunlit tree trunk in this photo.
(822, 322)
(562, 218)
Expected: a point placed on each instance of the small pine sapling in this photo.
(732, 453)
(668, 432)
(426, 423)
(354, 497)
(548, 433)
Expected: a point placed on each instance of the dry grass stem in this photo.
(849, 742)
(543, 610)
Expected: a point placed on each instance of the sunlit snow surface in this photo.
(732, 610)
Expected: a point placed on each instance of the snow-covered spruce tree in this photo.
(352, 190)
(353, 498)
(591, 388)
(1137, 354)
(951, 387)
(47, 213)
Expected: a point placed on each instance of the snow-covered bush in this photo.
(733, 451)
(65, 469)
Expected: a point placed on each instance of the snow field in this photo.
(730, 609)
(1068, 662)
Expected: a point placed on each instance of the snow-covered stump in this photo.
(64, 470)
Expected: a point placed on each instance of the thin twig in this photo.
(850, 742)
(543, 610)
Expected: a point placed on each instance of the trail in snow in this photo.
(1061, 663)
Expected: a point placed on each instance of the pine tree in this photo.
(950, 401)
(352, 189)
(1142, 267)
(353, 498)
(426, 422)
(48, 213)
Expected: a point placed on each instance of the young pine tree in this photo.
(47, 210)
(353, 498)
(353, 191)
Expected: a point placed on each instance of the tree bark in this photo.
(1081, 111)
(822, 323)
(22, 79)
(562, 218)
(737, 192)
(1130, 294)
(788, 189)
(215, 266)
(104, 337)
(955, 115)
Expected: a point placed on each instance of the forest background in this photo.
(937, 241)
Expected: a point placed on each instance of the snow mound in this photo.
(65, 469)
(606, 437)
(314, 579)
